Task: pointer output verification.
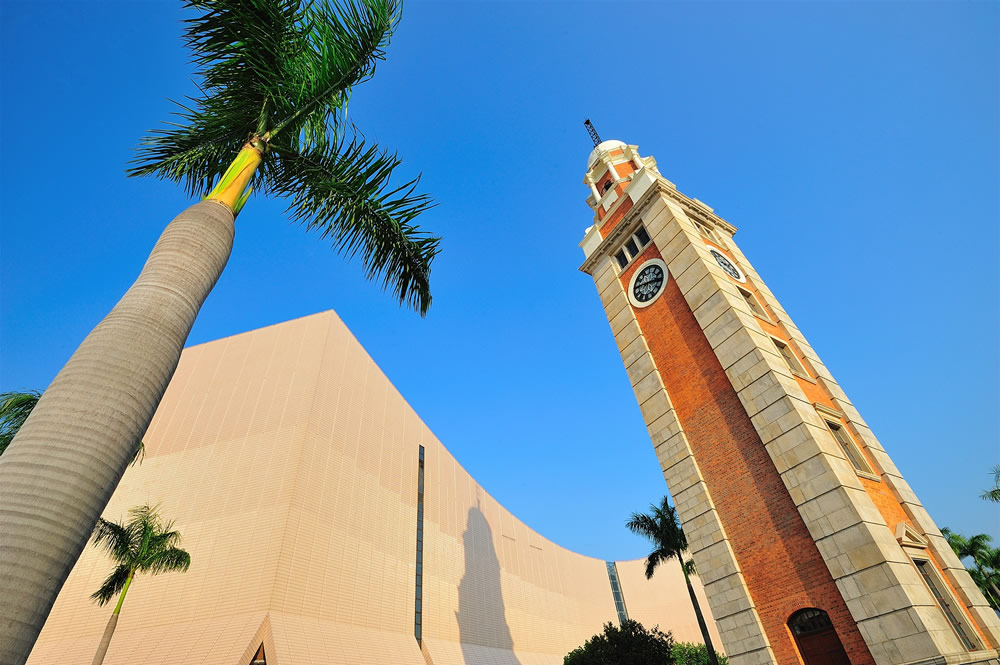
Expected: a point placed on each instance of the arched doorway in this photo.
(816, 639)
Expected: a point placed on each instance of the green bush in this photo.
(689, 653)
(630, 644)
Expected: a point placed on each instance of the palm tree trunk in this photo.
(109, 630)
(712, 658)
(993, 585)
(102, 649)
(61, 469)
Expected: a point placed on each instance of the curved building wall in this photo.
(290, 463)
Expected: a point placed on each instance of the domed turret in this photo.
(605, 146)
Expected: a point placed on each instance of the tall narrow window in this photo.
(789, 356)
(621, 258)
(616, 592)
(945, 602)
(417, 606)
(752, 303)
(632, 246)
(850, 449)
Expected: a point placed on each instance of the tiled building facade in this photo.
(298, 477)
(811, 545)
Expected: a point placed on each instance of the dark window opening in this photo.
(752, 303)
(418, 599)
(622, 259)
(944, 604)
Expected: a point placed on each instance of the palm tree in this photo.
(144, 544)
(984, 558)
(14, 409)
(662, 527)
(993, 494)
(275, 79)
(990, 560)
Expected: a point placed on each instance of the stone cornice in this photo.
(624, 227)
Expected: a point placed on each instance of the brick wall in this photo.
(783, 569)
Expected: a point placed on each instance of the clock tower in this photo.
(810, 544)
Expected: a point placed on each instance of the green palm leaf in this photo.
(662, 527)
(143, 544)
(14, 410)
(993, 494)
(167, 561)
(342, 192)
(112, 585)
(116, 539)
(277, 75)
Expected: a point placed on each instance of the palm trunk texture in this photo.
(102, 650)
(712, 658)
(61, 469)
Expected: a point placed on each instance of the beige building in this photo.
(298, 476)
(812, 547)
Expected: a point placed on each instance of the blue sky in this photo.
(855, 145)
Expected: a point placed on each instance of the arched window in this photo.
(816, 638)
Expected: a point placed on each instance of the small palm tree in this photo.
(144, 544)
(276, 76)
(993, 494)
(662, 527)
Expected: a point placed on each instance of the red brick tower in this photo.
(811, 546)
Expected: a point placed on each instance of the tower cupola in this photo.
(617, 177)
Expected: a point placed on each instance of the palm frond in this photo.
(196, 150)
(112, 585)
(993, 494)
(240, 48)
(342, 44)
(655, 558)
(660, 526)
(167, 560)
(140, 454)
(146, 543)
(115, 539)
(14, 410)
(642, 524)
(343, 192)
(264, 67)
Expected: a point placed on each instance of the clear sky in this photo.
(855, 145)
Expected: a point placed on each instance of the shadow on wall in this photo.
(482, 621)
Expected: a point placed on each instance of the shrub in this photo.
(629, 644)
(689, 653)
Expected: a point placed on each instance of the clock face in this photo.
(647, 283)
(728, 266)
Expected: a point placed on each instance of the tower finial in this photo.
(593, 132)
